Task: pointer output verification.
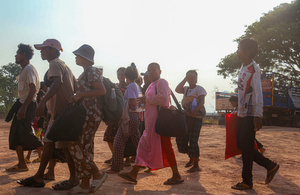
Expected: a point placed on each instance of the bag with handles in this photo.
(68, 124)
(171, 123)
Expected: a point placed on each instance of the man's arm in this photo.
(258, 107)
(52, 91)
(22, 111)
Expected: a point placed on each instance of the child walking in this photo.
(250, 112)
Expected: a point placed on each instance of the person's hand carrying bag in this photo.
(68, 124)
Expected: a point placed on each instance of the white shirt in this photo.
(27, 76)
(250, 91)
(196, 92)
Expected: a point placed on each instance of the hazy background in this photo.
(178, 34)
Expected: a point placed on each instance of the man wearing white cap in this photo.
(57, 98)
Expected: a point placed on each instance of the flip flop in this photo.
(271, 174)
(36, 160)
(127, 177)
(78, 190)
(241, 186)
(64, 185)
(189, 164)
(16, 168)
(194, 169)
(30, 182)
(27, 160)
(173, 182)
(96, 184)
(108, 161)
(48, 179)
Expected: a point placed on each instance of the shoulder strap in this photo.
(174, 98)
(186, 91)
(176, 101)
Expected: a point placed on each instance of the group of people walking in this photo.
(136, 128)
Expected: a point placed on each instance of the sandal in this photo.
(108, 161)
(96, 184)
(27, 160)
(189, 164)
(241, 186)
(271, 174)
(194, 169)
(30, 182)
(36, 160)
(78, 190)
(173, 182)
(127, 177)
(16, 168)
(64, 185)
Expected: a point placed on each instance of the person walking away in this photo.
(250, 112)
(193, 104)
(21, 135)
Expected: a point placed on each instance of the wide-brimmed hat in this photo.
(49, 43)
(86, 51)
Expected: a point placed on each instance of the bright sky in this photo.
(178, 34)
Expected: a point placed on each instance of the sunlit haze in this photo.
(179, 35)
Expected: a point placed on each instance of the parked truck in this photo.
(281, 99)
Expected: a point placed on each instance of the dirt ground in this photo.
(217, 175)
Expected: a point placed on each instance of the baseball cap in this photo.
(49, 43)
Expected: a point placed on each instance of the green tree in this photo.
(8, 85)
(278, 36)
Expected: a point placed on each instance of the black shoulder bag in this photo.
(171, 123)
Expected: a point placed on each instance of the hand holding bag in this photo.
(68, 124)
(171, 123)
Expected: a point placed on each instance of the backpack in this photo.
(112, 102)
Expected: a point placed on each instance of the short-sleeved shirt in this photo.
(57, 68)
(91, 104)
(196, 92)
(132, 92)
(122, 88)
(27, 76)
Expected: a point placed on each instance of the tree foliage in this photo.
(8, 85)
(278, 36)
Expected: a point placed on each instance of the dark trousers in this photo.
(245, 135)
(189, 144)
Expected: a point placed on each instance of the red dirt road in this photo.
(217, 175)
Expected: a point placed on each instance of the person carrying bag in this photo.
(171, 122)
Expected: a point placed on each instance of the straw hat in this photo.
(86, 51)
